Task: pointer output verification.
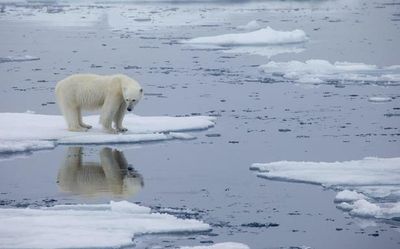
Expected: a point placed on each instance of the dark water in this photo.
(258, 121)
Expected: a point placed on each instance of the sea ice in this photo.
(379, 99)
(26, 131)
(18, 58)
(265, 36)
(370, 187)
(348, 195)
(321, 71)
(86, 226)
(252, 25)
(11, 146)
(225, 245)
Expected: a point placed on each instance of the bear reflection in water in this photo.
(112, 175)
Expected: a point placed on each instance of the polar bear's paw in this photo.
(122, 129)
(78, 129)
(86, 126)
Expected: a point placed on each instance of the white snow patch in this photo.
(86, 226)
(18, 58)
(379, 99)
(348, 195)
(15, 146)
(364, 208)
(225, 245)
(252, 25)
(361, 182)
(321, 71)
(265, 36)
(26, 131)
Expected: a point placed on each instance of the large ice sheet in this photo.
(86, 226)
(26, 131)
(317, 71)
(369, 187)
(225, 245)
(265, 36)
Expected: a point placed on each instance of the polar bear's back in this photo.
(86, 91)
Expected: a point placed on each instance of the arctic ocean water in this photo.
(260, 117)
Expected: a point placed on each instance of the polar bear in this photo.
(114, 94)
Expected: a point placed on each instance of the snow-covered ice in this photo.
(363, 183)
(379, 99)
(348, 195)
(265, 36)
(12, 146)
(18, 58)
(252, 25)
(317, 71)
(86, 226)
(225, 245)
(364, 208)
(26, 131)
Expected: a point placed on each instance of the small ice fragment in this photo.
(18, 58)
(252, 25)
(379, 99)
(348, 196)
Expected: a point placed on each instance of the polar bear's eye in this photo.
(127, 99)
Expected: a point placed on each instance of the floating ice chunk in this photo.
(368, 171)
(348, 195)
(373, 184)
(86, 226)
(25, 131)
(265, 36)
(364, 208)
(15, 146)
(379, 99)
(18, 58)
(252, 25)
(226, 245)
(322, 71)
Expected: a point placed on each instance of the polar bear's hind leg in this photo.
(86, 126)
(72, 115)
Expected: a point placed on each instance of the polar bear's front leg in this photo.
(119, 117)
(108, 112)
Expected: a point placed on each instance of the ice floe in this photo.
(369, 187)
(86, 226)
(265, 36)
(18, 58)
(321, 71)
(225, 245)
(12, 146)
(379, 99)
(265, 42)
(252, 25)
(26, 131)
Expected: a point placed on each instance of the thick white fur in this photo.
(113, 94)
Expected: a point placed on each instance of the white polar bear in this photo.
(112, 93)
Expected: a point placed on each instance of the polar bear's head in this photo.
(132, 92)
